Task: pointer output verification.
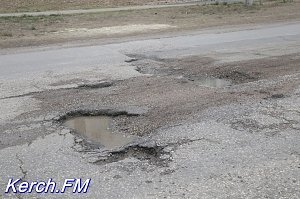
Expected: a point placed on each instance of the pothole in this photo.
(207, 81)
(187, 74)
(98, 129)
(237, 76)
(94, 85)
(153, 70)
(277, 96)
(100, 141)
(155, 155)
(131, 60)
(215, 75)
(95, 131)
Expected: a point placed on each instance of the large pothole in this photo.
(152, 153)
(97, 138)
(98, 129)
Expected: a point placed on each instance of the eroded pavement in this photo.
(196, 137)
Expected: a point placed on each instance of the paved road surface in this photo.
(222, 159)
(37, 65)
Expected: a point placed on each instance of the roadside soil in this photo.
(10, 6)
(98, 27)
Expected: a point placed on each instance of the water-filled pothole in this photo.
(98, 129)
(211, 82)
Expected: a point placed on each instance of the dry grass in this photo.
(24, 31)
(43, 5)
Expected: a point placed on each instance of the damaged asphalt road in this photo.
(196, 136)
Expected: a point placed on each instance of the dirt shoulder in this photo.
(43, 30)
(38, 5)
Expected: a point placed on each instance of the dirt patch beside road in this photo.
(43, 30)
(42, 5)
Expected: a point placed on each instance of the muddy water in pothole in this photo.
(98, 129)
(211, 82)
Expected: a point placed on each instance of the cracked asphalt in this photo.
(194, 141)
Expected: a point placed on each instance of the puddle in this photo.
(211, 82)
(98, 129)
